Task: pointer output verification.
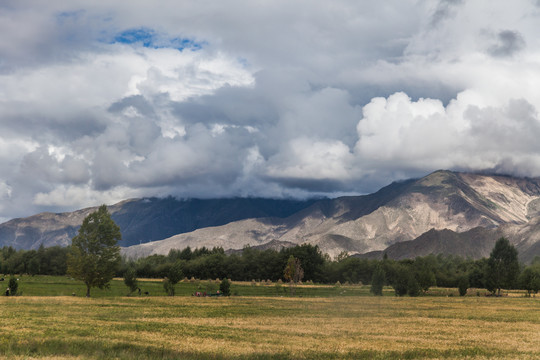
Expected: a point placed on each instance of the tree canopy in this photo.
(94, 254)
(502, 266)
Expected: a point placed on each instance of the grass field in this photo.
(321, 326)
(64, 286)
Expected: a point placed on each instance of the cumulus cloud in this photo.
(424, 134)
(104, 101)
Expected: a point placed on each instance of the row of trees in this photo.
(94, 258)
(44, 261)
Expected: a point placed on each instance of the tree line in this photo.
(410, 276)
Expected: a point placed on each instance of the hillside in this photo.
(144, 220)
(400, 212)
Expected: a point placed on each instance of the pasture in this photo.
(345, 324)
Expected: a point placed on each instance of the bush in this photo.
(168, 286)
(463, 285)
(377, 281)
(225, 287)
(130, 279)
(401, 282)
(413, 287)
(13, 286)
(175, 274)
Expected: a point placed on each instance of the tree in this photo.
(225, 287)
(293, 272)
(130, 279)
(413, 287)
(530, 279)
(400, 281)
(174, 275)
(13, 286)
(377, 281)
(463, 285)
(311, 258)
(424, 274)
(94, 254)
(502, 266)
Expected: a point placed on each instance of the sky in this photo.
(101, 101)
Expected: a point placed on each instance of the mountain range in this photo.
(443, 212)
(144, 220)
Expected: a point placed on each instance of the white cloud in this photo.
(82, 196)
(398, 133)
(305, 158)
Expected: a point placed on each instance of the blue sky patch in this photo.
(151, 39)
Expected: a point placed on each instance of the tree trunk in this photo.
(87, 290)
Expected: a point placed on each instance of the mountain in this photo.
(443, 212)
(400, 212)
(475, 243)
(144, 220)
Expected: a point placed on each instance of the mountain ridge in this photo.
(142, 220)
(458, 202)
(397, 218)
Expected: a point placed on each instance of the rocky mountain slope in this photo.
(400, 212)
(144, 220)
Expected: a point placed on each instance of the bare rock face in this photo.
(400, 212)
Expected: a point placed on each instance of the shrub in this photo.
(463, 285)
(130, 279)
(377, 281)
(168, 287)
(401, 282)
(174, 275)
(13, 286)
(413, 287)
(225, 287)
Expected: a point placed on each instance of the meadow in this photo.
(321, 322)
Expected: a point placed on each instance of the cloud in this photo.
(507, 43)
(398, 133)
(101, 101)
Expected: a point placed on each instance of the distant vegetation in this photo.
(408, 277)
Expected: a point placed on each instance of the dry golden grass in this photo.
(297, 328)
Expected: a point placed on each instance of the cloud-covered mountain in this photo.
(458, 202)
(444, 212)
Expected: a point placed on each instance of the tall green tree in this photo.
(502, 267)
(94, 254)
